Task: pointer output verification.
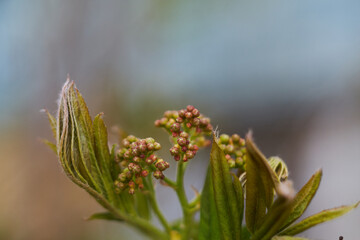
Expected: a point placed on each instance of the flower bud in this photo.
(184, 135)
(131, 138)
(195, 121)
(131, 191)
(157, 146)
(144, 173)
(181, 141)
(161, 165)
(235, 138)
(168, 114)
(151, 159)
(188, 125)
(149, 140)
(157, 123)
(224, 138)
(188, 115)
(182, 113)
(174, 151)
(158, 174)
(142, 147)
(179, 120)
(195, 112)
(136, 159)
(125, 143)
(150, 146)
(189, 154)
(136, 168)
(190, 108)
(131, 184)
(175, 127)
(122, 177)
(239, 161)
(177, 157)
(229, 148)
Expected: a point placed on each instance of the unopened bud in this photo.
(189, 154)
(181, 141)
(144, 173)
(188, 115)
(157, 146)
(224, 138)
(131, 184)
(131, 138)
(181, 113)
(195, 112)
(158, 174)
(190, 108)
(175, 127)
(131, 191)
(184, 135)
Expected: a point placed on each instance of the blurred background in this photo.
(288, 70)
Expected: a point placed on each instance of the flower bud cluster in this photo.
(234, 149)
(137, 160)
(188, 128)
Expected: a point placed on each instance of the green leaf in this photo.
(50, 144)
(288, 238)
(318, 218)
(228, 209)
(52, 121)
(209, 223)
(260, 185)
(142, 205)
(103, 157)
(303, 198)
(104, 216)
(239, 197)
(277, 214)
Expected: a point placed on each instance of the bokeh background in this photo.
(288, 70)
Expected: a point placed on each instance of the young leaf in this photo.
(318, 218)
(303, 198)
(260, 185)
(104, 216)
(209, 228)
(277, 214)
(227, 206)
(103, 156)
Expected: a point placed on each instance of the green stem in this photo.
(180, 191)
(146, 227)
(141, 224)
(155, 206)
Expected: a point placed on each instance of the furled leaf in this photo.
(279, 167)
(303, 198)
(209, 223)
(228, 209)
(104, 216)
(288, 238)
(260, 185)
(318, 218)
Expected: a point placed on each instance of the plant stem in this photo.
(180, 191)
(155, 205)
